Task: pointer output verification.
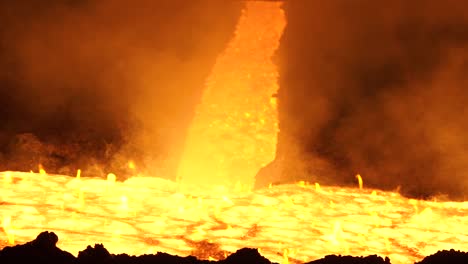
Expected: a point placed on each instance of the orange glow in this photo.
(234, 130)
(233, 134)
(291, 223)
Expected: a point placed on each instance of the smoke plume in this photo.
(92, 84)
(376, 88)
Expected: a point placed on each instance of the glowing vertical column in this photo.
(234, 130)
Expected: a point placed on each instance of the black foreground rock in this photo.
(43, 250)
(332, 259)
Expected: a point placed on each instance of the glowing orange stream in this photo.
(234, 131)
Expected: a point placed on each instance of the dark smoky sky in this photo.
(86, 83)
(377, 88)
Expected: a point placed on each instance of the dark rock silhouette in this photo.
(446, 256)
(332, 259)
(43, 250)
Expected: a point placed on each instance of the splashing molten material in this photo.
(233, 134)
(234, 131)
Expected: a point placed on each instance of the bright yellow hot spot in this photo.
(41, 169)
(8, 229)
(7, 179)
(234, 130)
(111, 178)
(131, 165)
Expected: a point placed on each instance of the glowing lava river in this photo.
(297, 222)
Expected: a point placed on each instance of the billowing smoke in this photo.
(92, 84)
(377, 88)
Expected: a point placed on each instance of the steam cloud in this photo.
(91, 84)
(376, 88)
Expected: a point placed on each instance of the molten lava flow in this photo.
(234, 130)
(292, 223)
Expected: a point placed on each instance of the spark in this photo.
(359, 178)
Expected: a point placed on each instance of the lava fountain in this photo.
(234, 130)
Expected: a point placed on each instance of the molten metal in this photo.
(232, 136)
(234, 131)
(296, 222)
